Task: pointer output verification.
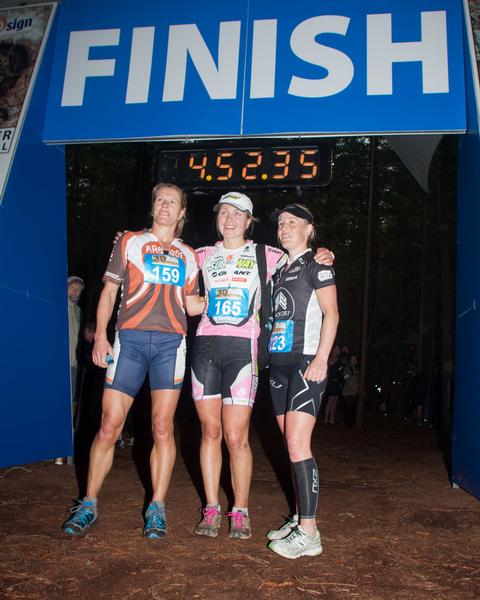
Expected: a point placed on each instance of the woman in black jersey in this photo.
(304, 330)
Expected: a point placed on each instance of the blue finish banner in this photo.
(255, 68)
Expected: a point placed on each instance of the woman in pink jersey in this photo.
(224, 358)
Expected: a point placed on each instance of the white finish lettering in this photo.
(431, 51)
(339, 66)
(79, 66)
(140, 65)
(264, 53)
(221, 82)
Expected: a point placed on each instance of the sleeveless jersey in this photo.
(297, 314)
(232, 288)
(154, 282)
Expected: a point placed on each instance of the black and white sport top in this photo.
(297, 313)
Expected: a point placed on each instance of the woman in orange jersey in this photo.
(159, 278)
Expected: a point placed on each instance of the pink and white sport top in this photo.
(232, 288)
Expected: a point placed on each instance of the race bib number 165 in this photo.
(227, 303)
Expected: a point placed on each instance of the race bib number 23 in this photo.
(281, 339)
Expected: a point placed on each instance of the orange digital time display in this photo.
(265, 166)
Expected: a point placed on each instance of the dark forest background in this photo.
(411, 302)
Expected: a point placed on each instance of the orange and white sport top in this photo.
(154, 282)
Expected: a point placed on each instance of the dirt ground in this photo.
(391, 524)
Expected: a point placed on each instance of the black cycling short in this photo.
(224, 366)
(291, 392)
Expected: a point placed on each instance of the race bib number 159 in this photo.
(165, 269)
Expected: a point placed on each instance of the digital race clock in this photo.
(259, 165)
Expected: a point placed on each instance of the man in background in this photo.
(75, 287)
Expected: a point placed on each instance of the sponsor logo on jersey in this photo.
(240, 279)
(324, 275)
(153, 249)
(280, 301)
(283, 304)
(245, 263)
(291, 278)
(295, 270)
(175, 252)
(216, 263)
(113, 276)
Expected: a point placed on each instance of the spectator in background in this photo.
(334, 384)
(351, 377)
(415, 395)
(75, 287)
(345, 354)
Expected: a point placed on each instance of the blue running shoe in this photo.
(155, 522)
(83, 516)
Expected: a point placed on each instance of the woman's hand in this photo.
(324, 256)
(316, 370)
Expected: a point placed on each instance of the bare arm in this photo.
(194, 305)
(105, 306)
(327, 299)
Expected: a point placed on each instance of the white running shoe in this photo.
(297, 544)
(285, 529)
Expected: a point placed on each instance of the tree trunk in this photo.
(366, 293)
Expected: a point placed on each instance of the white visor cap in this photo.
(236, 199)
